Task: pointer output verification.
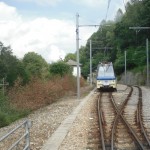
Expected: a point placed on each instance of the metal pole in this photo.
(77, 49)
(1, 48)
(147, 54)
(90, 62)
(3, 86)
(125, 68)
(27, 137)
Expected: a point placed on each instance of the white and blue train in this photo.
(106, 77)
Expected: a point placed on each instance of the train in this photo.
(106, 78)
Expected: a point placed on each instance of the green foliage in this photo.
(8, 113)
(70, 56)
(35, 65)
(10, 67)
(119, 63)
(119, 15)
(117, 36)
(60, 68)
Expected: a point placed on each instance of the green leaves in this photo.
(117, 35)
(10, 66)
(35, 65)
(60, 68)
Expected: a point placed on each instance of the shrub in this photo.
(60, 68)
(39, 93)
(8, 113)
(3, 120)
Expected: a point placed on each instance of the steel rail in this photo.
(140, 117)
(100, 123)
(116, 118)
(119, 111)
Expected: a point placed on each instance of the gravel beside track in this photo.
(77, 136)
(47, 120)
(44, 121)
(146, 109)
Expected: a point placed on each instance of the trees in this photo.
(35, 65)
(10, 67)
(119, 15)
(60, 68)
(70, 56)
(116, 34)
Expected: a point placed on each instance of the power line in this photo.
(107, 9)
(124, 5)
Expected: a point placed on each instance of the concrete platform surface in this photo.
(54, 142)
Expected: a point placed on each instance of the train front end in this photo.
(106, 82)
(105, 77)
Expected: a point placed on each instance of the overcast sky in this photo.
(47, 27)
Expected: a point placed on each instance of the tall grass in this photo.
(8, 113)
(21, 100)
(39, 93)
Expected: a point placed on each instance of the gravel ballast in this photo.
(45, 122)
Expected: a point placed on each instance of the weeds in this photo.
(8, 113)
(40, 93)
(22, 100)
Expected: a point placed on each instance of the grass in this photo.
(8, 114)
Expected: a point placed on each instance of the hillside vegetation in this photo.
(113, 38)
(33, 83)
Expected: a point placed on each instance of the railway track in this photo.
(120, 121)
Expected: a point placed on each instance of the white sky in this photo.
(47, 27)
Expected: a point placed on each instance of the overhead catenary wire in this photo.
(124, 2)
(124, 5)
(107, 9)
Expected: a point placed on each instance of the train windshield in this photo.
(106, 71)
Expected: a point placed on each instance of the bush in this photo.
(39, 93)
(3, 120)
(9, 113)
(60, 68)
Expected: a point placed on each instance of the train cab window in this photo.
(106, 70)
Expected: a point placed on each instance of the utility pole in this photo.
(1, 48)
(77, 49)
(147, 54)
(90, 62)
(147, 51)
(125, 68)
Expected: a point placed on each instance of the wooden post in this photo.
(3, 85)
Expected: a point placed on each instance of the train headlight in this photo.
(112, 82)
(99, 82)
